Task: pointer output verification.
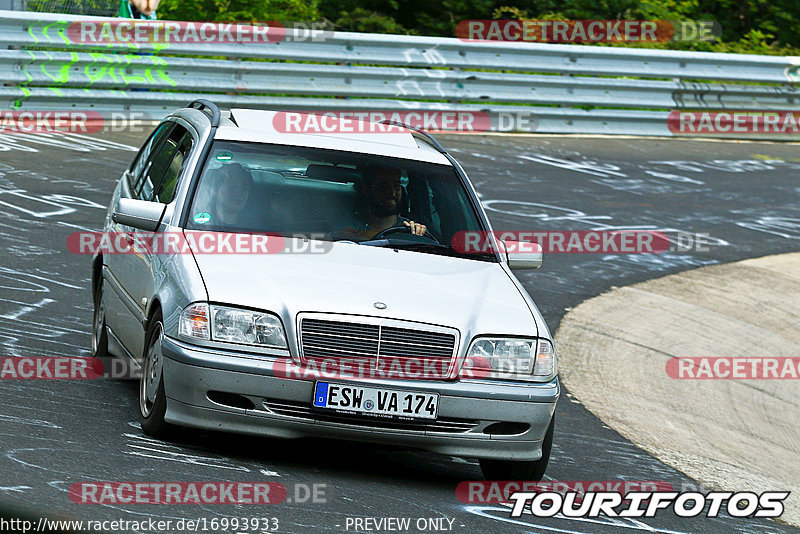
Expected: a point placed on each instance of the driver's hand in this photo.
(416, 228)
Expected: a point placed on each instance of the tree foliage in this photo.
(239, 10)
(748, 26)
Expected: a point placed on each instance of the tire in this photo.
(99, 334)
(529, 471)
(152, 398)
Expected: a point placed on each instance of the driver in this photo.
(379, 210)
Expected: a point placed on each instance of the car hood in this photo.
(476, 297)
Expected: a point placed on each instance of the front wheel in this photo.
(152, 398)
(530, 470)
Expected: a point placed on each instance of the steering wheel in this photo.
(406, 229)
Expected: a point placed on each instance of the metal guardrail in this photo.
(567, 88)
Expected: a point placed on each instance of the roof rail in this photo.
(423, 133)
(207, 105)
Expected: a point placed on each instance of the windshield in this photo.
(331, 195)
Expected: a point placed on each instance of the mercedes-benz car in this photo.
(363, 323)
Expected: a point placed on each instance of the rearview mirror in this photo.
(139, 214)
(331, 173)
(523, 254)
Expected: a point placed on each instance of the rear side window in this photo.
(140, 164)
(165, 191)
(162, 169)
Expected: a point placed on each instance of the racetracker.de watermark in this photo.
(46, 122)
(133, 32)
(562, 242)
(192, 242)
(733, 368)
(620, 241)
(494, 492)
(734, 122)
(66, 368)
(373, 121)
(176, 493)
(71, 122)
(587, 31)
(383, 368)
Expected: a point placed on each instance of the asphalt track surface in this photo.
(55, 433)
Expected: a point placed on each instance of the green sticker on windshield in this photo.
(202, 217)
(224, 156)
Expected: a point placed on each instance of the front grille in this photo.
(330, 339)
(304, 411)
(323, 338)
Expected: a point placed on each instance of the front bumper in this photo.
(467, 425)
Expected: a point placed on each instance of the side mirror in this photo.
(523, 254)
(139, 214)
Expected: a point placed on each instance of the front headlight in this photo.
(510, 359)
(232, 325)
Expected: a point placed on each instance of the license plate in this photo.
(375, 401)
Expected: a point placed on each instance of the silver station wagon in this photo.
(359, 319)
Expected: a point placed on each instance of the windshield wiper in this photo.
(388, 242)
